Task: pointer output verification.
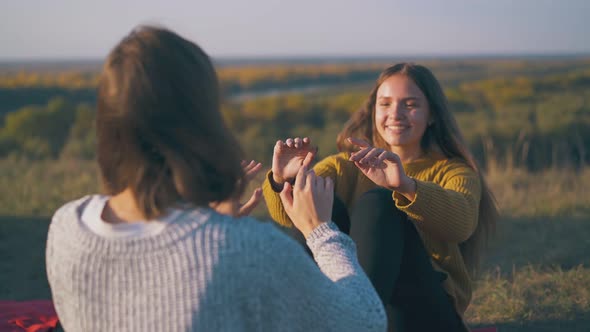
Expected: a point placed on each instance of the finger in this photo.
(306, 140)
(362, 167)
(289, 142)
(380, 158)
(326, 195)
(300, 178)
(279, 145)
(329, 189)
(286, 196)
(357, 156)
(368, 158)
(253, 171)
(251, 204)
(320, 184)
(329, 184)
(298, 143)
(311, 180)
(358, 142)
(243, 163)
(246, 166)
(308, 159)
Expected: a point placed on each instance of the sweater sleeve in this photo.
(337, 296)
(328, 167)
(449, 210)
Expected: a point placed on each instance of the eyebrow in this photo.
(403, 99)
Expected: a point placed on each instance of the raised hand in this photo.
(381, 166)
(309, 201)
(288, 157)
(233, 206)
(251, 169)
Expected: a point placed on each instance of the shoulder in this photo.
(457, 174)
(71, 211)
(65, 229)
(450, 167)
(63, 232)
(441, 169)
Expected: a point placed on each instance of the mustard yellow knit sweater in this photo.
(445, 209)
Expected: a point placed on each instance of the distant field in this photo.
(532, 113)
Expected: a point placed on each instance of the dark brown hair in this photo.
(442, 134)
(160, 132)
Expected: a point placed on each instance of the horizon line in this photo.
(295, 57)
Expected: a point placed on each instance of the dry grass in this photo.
(531, 295)
(547, 193)
(536, 276)
(537, 273)
(39, 188)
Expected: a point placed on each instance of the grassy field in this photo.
(536, 276)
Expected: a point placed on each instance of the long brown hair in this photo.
(443, 134)
(159, 127)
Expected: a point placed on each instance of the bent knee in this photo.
(379, 201)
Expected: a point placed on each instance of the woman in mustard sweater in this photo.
(409, 193)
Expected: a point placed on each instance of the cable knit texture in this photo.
(445, 209)
(207, 272)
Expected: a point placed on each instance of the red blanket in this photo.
(28, 316)
(40, 316)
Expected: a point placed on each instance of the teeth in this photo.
(396, 127)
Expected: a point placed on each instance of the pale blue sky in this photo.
(88, 29)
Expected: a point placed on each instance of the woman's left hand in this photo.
(381, 166)
(233, 206)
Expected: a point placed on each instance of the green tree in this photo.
(39, 132)
(82, 137)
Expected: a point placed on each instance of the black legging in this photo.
(392, 254)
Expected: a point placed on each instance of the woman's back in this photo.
(203, 271)
(136, 260)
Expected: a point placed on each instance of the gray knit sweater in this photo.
(207, 272)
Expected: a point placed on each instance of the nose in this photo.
(397, 111)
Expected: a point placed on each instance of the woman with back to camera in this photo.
(153, 255)
(409, 193)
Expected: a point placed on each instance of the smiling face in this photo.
(401, 113)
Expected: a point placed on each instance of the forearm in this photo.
(449, 214)
(333, 251)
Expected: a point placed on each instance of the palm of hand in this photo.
(286, 163)
(386, 175)
(382, 167)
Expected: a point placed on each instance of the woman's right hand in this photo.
(309, 201)
(288, 157)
